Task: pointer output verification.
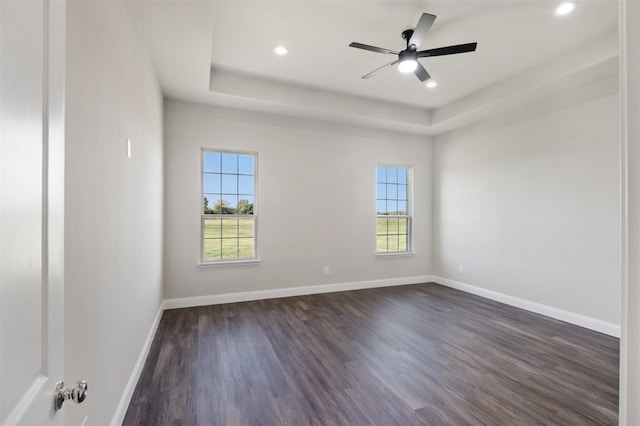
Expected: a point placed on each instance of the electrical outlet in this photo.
(460, 269)
(326, 270)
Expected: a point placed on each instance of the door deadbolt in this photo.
(78, 393)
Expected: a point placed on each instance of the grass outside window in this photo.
(392, 234)
(229, 238)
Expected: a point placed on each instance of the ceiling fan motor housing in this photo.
(409, 54)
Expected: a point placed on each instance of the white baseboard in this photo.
(125, 399)
(538, 308)
(559, 314)
(216, 299)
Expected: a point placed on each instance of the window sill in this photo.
(206, 265)
(394, 255)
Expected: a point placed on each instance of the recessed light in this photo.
(431, 84)
(280, 50)
(565, 8)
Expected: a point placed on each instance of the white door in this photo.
(32, 58)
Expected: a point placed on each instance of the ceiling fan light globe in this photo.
(407, 66)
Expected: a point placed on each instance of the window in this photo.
(393, 232)
(228, 206)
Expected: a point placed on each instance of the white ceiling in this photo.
(209, 51)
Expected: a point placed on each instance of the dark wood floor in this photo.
(411, 355)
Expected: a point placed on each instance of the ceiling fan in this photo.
(408, 58)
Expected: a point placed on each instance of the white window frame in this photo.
(229, 262)
(409, 216)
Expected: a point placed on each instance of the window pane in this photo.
(382, 243)
(212, 249)
(231, 204)
(230, 163)
(248, 198)
(229, 184)
(392, 175)
(221, 205)
(212, 228)
(245, 184)
(382, 191)
(402, 243)
(209, 202)
(402, 226)
(402, 192)
(229, 249)
(245, 248)
(245, 164)
(392, 226)
(245, 206)
(245, 227)
(402, 207)
(402, 175)
(211, 162)
(392, 207)
(382, 174)
(392, 243)
(381, 206)
(229, 227)
(211, 182)
(382, 227)
(392, 191)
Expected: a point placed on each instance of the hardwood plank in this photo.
(409, 355)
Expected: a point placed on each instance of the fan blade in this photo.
(421, 73)
(372, 73)
(372, 48)
(448, 50)
(424, 24)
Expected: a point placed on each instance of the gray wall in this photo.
(114, 204)
(530, 208)
(316, 200)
